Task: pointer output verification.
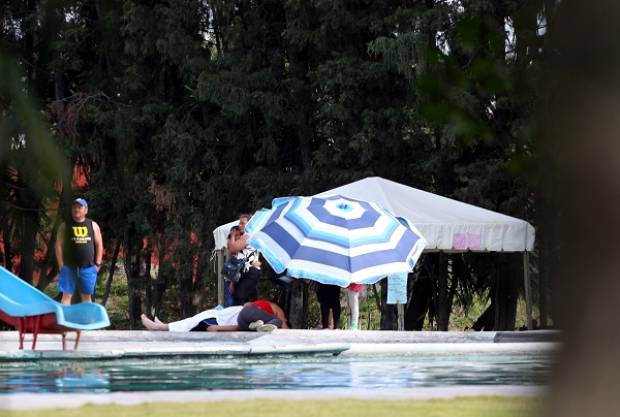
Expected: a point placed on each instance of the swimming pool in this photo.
(277, 372)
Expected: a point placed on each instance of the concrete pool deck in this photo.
(113, 344)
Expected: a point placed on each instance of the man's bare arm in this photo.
(218, 328)
(238, 245)
(98, 244)
(279, 313)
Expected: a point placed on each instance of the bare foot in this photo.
(150, 324)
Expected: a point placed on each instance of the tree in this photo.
(180, 116)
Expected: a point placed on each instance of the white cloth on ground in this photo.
(224, 317)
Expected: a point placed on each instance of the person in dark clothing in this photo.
(329, 298)
(234, 234)
(246, 289)
(79, 251)
(261, 316)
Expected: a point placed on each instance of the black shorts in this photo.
(246, 288)
(251, 313)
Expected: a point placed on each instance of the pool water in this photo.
(281, 372)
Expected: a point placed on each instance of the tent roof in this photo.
(220, 234)
(447, 224)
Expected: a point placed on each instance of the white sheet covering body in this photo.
(224, 317)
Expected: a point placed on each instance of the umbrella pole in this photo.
(528, 289)
(220, 279)
(400, 309)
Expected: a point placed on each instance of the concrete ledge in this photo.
(439, 349)
(175, 351)
(133, 344)
(347, 336)
(533, 336)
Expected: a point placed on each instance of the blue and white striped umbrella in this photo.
(334, 240)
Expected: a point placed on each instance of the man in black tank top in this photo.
(79, 250)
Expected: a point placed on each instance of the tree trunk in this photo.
(502, 312)
(2, 239)
(161, 283)
(376, 296)
(543, 282)
(132, 271)
(50, 266)
(444, 303)
(30, 228)
(186, 282)
(420, 303)
(298, 304)
(108, 284)
(148, 282)
(186, 297)
(547, 234)
(486, 321)
(8, 247)
(507, 292)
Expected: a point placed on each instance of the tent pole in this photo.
(220, 279)
(528, 289)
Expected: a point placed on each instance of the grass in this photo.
(457, 407)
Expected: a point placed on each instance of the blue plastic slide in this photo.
(31, 311)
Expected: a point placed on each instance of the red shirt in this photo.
(263, 305)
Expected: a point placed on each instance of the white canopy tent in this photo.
(447, 225)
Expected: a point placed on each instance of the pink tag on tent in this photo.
(474, 242)
(462, 241)
(459, 241)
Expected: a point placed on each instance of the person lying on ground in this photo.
(212, 320)
(226, 319)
